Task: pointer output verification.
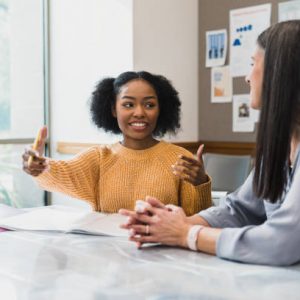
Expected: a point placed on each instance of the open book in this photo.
(62, 219)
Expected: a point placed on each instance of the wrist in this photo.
(184, 235)
(203, 179)
(192, 237)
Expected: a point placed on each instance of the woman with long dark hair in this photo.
(260, 222)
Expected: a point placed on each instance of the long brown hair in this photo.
(280, 113)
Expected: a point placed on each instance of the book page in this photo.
(7, 211)
(66, 219)
(42, 218)
(101, 224)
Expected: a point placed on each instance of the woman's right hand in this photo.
(158, 223)
(38, 163)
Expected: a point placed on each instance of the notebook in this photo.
(62, 219)
(7, 211)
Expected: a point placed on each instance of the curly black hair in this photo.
(103, 99)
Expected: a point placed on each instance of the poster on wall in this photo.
(221, 85)
(288, 10)
(245, 25)
(244, 117)
(216, 48)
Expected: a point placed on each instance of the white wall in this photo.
(166, 39)
(88, 40)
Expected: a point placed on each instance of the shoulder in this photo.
(96, 152)
(177, 150)
(170, 152)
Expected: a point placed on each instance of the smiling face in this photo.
(137, 111)
(255, 78)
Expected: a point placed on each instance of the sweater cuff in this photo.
(44, 177)
(221, 246)
(205, 192)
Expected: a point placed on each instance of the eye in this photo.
(127, 104)
(150, 105)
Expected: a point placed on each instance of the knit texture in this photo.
(113, 177)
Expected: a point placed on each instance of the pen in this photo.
(35, 146)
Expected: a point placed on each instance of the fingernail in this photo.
(140, 206)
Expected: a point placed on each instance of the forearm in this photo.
(207, 236)
(207, 240)
(197, 220)
(195, 198)
(70, 178)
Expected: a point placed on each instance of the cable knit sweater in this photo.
(113, 177)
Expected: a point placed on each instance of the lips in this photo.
(138, 125)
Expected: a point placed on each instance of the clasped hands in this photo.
(153, 222)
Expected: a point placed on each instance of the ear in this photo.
(113, 111)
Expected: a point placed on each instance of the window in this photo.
(22, 95)
(4, 68)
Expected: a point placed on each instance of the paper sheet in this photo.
(216, 48)
(244, 117)
(221, 85)
(289, 10)
(245, 25)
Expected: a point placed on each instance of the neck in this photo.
(139, 145)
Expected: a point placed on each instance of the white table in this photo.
(42, 266)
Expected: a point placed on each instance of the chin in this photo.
(255, 103)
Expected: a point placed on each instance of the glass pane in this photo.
(16, 187)
(4, 68)
(21, 68)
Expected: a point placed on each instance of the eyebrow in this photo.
(133, 98)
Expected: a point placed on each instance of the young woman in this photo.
(140, 106)
(260, 222)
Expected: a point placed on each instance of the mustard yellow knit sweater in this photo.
(113, 177)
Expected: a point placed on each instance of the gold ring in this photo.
(147, 230)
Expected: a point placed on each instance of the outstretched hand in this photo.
(34, 163)
(191, 169)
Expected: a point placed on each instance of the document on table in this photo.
(63, 219)
(7, 211)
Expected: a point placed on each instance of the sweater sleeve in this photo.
(240, 208)
(77, 177)
(195, 198)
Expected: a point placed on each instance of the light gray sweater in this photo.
(255, 230)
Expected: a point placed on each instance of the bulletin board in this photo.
(215, 119)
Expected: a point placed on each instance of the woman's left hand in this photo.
(190, 169)
(167, 226)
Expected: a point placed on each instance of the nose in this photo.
(247, 79)
(139, 111)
